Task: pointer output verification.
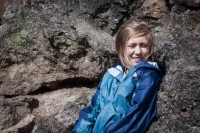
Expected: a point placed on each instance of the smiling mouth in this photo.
(137, 58)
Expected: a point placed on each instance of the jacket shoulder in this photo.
(148, 67)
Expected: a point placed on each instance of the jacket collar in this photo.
(118, 70)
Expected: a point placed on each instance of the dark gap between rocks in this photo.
(42, 90)
(190, 7)
(183, 110)
(78, 82)
(68, 83)
(9, 96)
(168, 5)
(34, 103)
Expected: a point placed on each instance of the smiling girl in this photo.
(125, 99)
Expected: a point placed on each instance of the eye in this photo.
(131, 45)
(144, 45)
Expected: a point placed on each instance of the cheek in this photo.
(130, 52)
(146, 51)
(127, 51)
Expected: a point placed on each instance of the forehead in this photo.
(142, 39)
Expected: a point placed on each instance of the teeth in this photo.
(137, 59)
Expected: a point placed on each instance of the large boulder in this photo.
(48, 51)
(59, 109)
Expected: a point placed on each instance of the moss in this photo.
(74, 44)
(20, 44)
(62, 40)
(69, 41)
(21, 40)
(24, 33)
(17, 39)
(21, 49)
(65, 45)
(59, 41)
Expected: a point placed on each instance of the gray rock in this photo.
(56, 55)
(58, 110)
(15, 109)
(24, 126)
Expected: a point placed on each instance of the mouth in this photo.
(137, 59)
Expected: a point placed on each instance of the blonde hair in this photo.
(132, 29)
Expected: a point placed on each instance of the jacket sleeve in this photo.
(88, 115)
(138, 118)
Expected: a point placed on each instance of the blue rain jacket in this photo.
(122, 104)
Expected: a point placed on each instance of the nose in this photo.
(138, 50)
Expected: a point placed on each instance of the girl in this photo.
(125, 99)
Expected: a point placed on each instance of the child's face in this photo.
(137, 49)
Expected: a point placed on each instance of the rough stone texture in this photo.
(62, 111)
(178, 99)
(154, 9)
(53, 51)
(48, 51)
(14, 110)
(24, 126)
(190, 3)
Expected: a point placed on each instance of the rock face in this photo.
(59, 50)
(59, 109)
(53, 54)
